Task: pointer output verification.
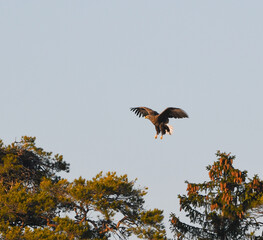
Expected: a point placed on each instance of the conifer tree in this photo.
(219, 208)
(36, 203)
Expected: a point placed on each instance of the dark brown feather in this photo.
(143, 111)
(172, 113)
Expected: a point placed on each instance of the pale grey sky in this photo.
(70, 71)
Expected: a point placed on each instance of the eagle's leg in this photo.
(162, 126)
(157, 131)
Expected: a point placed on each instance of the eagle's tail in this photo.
(170, 128)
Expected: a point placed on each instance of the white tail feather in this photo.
(170, 128)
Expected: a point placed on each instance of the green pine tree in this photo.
(35, 203)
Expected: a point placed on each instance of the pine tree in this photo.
(36, 203)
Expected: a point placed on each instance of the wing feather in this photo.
(172, 112)
(143, 111)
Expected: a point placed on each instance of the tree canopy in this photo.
(36, 203)
(219, 208)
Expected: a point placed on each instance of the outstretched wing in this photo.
(172, 113)
(143, 111)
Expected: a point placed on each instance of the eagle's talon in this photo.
(161, 137)
(155, 136)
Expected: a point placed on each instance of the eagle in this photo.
(160, 120)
